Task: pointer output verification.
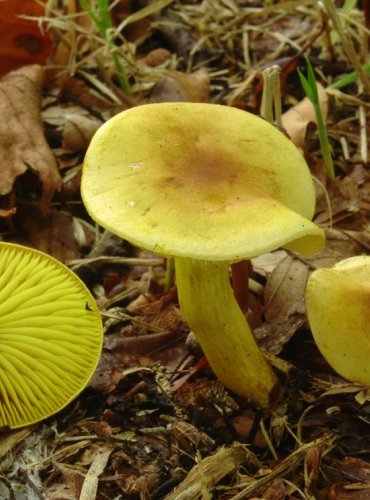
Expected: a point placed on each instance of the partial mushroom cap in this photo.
(50, 336)
(200, 180)
(338, 310)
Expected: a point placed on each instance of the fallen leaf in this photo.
(52, 232)
(179, 87)
(66, 487)
(22, 41)
(296, 120)
(285, 288)
(273, 335)
(344, 492)
(347, 243)
(276, 491)
(157, 57)
(22, 142)
(347, 200)
(78, 132)
(76, 125)
(355, 469)
(264, 264)
(284, 296)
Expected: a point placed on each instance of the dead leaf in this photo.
(344, 492)
(66, 487)
(347, 243)
(273, 335)
(52, 233)
(347, 200)
(76, 125)
(264, 264)
(355, 469)
(276, 491)
(72, 89)
(157, 57)
(22, 41)
(78, 132)
(22, 142)
(297, 118)
(179, 87)
(285, 288)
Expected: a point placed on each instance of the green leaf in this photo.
(305, 85)
(312, 81)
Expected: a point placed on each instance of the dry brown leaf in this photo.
(264, 264)
(78, 132)
(76, 125)
(297, 118)
(179, 87)
(276, 491)
(66, 487)
(346, 244)
(284, 304)
(345, 492)
(285, 288)
(53, 232)
(22, 142)
(273, 336)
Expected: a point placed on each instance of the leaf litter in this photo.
(154, 422)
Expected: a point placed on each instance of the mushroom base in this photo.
(210, 309)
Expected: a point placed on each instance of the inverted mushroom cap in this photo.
(200, 180)
(338, 310)
(50, 336)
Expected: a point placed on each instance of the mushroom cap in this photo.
(50, 336)
(339, 315)
(198, 180)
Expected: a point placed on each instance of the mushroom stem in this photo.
(210, 309)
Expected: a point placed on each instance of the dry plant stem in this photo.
(363, 134)
(240, 272)
(346, 40)
(286, 465)
(210, 309)
(208, 472)
(271, 97)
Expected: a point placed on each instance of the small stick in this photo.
(240, 272)
(346, 40)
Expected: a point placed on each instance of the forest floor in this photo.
(154, 423)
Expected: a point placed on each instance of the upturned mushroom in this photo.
(50, 336)
(339, 315)
(209, 185)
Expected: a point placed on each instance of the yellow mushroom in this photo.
(209, 185)
(50, 336)
(338, 308)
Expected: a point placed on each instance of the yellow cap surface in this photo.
(339, 314)
(200, 180)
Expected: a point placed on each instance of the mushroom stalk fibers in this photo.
(210, 309)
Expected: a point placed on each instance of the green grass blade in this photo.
(85, 5)
(309, 86)
(348, 79)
